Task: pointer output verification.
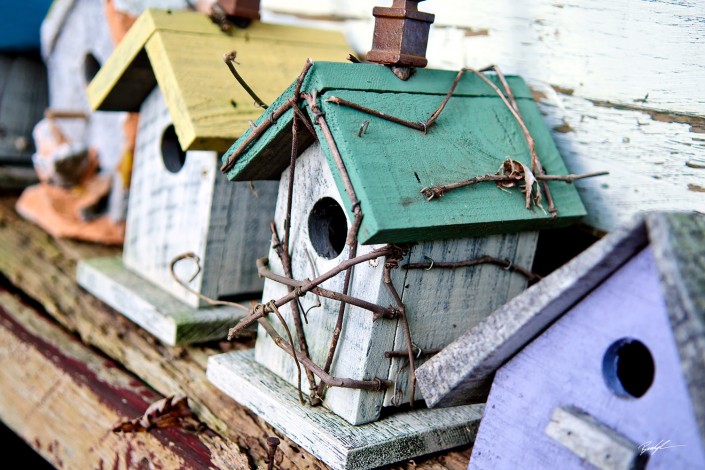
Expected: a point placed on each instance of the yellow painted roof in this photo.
(182, 53)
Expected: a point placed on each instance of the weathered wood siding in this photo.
(528, 388)
(64, 398)
(617, 82)
(441, 304)
(194, 210)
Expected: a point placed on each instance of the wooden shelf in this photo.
(43, 400)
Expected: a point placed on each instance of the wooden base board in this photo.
(327, 436)
(155, 310)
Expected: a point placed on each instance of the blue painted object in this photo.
(21, 21)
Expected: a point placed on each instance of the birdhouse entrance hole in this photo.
(172, 154)
(91, 65)
(628, 368)
(327, 228)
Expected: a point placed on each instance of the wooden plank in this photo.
(678, 251)
(127, 64)
(17, 177)
(655, 159)
(167, 318)
(572, 360)
(338, 443)
(442, 304)
(64, 399)
(461, 372)
(46, 268)
(592, 441)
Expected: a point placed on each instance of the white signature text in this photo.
(660, 445)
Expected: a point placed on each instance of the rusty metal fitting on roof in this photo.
(242, 9)
(401, 35)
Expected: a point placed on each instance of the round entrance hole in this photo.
(172, 154)
(91, 65)
(327, 228)
(628, 368)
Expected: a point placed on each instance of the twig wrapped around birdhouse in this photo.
(502, 263)
(510, 174)
(392, 254)
(517, 171)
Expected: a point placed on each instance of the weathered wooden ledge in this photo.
(45, 269)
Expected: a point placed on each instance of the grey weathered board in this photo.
(329, 437)
(440, 303)
(23, 98)
(170, 320)
(194, 210)
(566, 366)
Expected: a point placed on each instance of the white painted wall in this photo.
(618, 83)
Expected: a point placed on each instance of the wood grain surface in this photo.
(45, 270)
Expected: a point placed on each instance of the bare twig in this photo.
(257, 132)
(208, 300)
(229, 60)
(436, 192)
(379, 311)
(502, 263)
(329, 380)
(351, 241)
(405, 353)
(293, 350)
(407, 332)
(419, 126)
(285, 257)
(299, 291)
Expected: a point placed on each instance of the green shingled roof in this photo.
(390, 163)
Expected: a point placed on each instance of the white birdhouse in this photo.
(179, 202)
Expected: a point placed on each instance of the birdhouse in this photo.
(76, 41)
(600, 364)
(82, 157)
(170, 68)
(358, 194)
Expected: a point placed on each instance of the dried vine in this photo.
(502, 263)
(537, 173)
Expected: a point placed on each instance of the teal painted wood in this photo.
(20, 24)
(390, 163)
(23, 98)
